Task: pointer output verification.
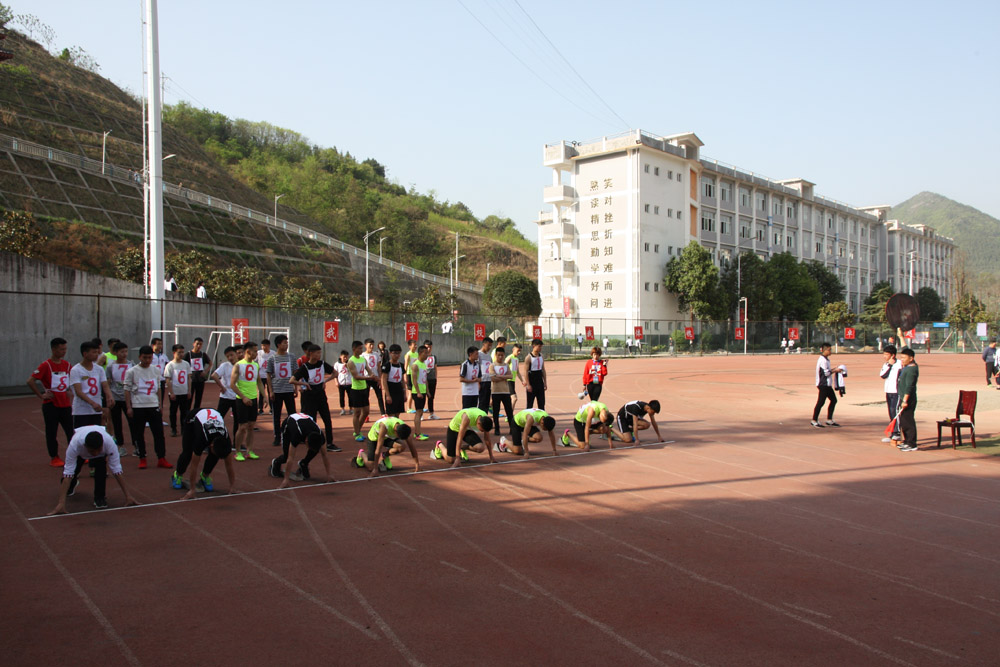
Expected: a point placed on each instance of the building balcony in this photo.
(560, 195)
(558, 230)
(559, 156)
(558, 267)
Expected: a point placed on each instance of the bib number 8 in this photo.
(92, 386)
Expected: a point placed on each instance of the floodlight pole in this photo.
(746, 314)
(913, 259)
(376, 231)
(155, 146)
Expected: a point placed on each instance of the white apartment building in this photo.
(622, 206)
(917, 252)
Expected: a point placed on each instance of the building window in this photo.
(656, 287)
(745, 197)
(790, 239)
(708, 186)
(744, 229)
(670, 250)
(656, 326)
(707, 221)
(819, 247)
(645, 247)
(645, 208)
(647, 287)
(656, 171)
(762, 202)
(656, 210)
(776, 206)
(760, 234)
(656, 248)
(679, 216)
(670, 174)
(725, 191)
(777, 240)
(829, 222)
(725, 224)
(553, 250)
(670, 212)
(645, 168)
(790, 210)
(840, 251)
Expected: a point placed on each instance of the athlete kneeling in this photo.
(462, 435)
(386, 437)
(532, 421)
(296, 429)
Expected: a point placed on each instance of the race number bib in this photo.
(316, 375)
(150, 387)
(500, 371)
(422, 376)
(431, 362)
(207, 417)
(484, 368)
(197, 365)
(395, 374)
(181, 378)
(60, 382)
(283, 370)
(298, 416)
(93, 386)
(536, 363)
(119, 372)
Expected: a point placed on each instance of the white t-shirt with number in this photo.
(225, 373)
(179, 374)
(144, 386)
(343, 373)
(90, 382)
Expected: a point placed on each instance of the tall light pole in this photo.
(456, 263)
(376, 231)
(453, 273)
(380, 239)
(276, 198)
(746, 314)
(145, 220)
(104, 148)
(155, 147)
(913, 258)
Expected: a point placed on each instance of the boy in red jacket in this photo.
(593, 375)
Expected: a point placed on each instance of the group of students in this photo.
(88, 400)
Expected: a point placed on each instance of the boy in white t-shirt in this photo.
(343, 380)
(89, 383)
(228, 399)
(142, 405)
(468, 377)
(178, 376)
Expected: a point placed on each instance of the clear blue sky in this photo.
(873, 101)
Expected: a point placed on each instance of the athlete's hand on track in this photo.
(130, 501)
(189, 495)
(60, 509)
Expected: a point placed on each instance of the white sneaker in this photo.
(816, 424)
(886, 439)
(434, 416)
(830, 422)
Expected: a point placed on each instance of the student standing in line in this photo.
(91, 445)
(432, 379)
(485, 381)
(142, 406)
(411, 354)
(228, 400)
(418, 380)
(824, 383)
(468, 377)
(201, 370)
(178, 375)
(373, 359)
(311, 378)
(264, 355)
(359, 397)
(280, 369)
(393, 386)
(57, 411)
(890, 373)
(515, 365)
(536, 381)
(499, 370)
(105, 358)
(160, 361)
(907, 390)
(89, 383)
(990, 359)
(594, 372)
(115, 371)
(343, 380)
(245, 380)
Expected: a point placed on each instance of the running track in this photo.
(751, 539)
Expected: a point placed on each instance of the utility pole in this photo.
(155, 161)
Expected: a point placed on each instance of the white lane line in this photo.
(33, 426)
(807, 610)
(634, 560)
(427, 498)
(520, 576)
(92, 607)
(402, 546)
(355, 591)
(466, 509)
(566, 539)
(398, 475)
(653, 518)
(728, 537)
(452, 565)
(683, 658)
(511, 523)
(521, 593)
(929, 648)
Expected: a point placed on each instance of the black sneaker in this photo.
(333, 448)
(173, 433)
(303, 470)
(274, 470)
(816, 424)
(908, 448)
(101, 503)
(276, 444)
(72, 487)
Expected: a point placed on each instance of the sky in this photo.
(872, 101)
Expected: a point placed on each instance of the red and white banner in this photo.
(912, 333)
(849, 333)
(241, 335)
(688, 333)
(536, 331)
(638, 333)
(566, 306)
(412, 331)
(739, 333)
(480, 330)
(331, 332)
(588, 333)
(793, 333)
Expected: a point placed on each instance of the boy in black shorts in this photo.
(534, 422)
(203, 431)
(358, 397)
(462, 435)
(590, 416)
(311, 378)
(296, 429)
(386, 437)
(632, 418)
(393, 387)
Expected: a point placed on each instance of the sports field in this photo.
(750, 538)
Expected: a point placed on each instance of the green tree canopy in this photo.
(752, 283)
(797, 294)
(873, 311)
(19, 233)
(511, 293)
(966, 310)
(830, 288)
(931, 306)
(836, 314)
(695, 280)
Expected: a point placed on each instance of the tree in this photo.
(6, 14)
(837, 314)
(752, 284)
(966, 310)
(511, 293)
(796, 293)
(931, 305)
(695, 280)
(128, 265)
(19, 233)
(873, 311)
(830, 288)
(431, 302)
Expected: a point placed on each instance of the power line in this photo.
(525, 65)
(589, 87)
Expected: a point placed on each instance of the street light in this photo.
(913, 258)
(145, 218)
(453, 262)
(276, 198)
(104, 146)
(376, 231)
(380, 239)
(746, 308)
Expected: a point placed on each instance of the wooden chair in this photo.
(966, 406)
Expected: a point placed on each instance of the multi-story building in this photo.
(622, 206)
(916, 256)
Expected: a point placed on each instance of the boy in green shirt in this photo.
(418, 381)
(907, 392)
(589, 415)
(462, 435)
(528, 421)
(385, 437)
(246, 382)
(359, 396)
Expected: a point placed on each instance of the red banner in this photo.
(412, 331)
(241, 335)
(688, 333)
(536, 331)
(912, 333)
(638, 333)
(566, 306)
(849, 333)
(739, 333)
(331, 332)
(793, 333)
(588, 333)
(480, 331)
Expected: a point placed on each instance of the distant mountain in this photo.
(975, 232)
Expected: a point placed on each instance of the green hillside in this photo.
(52, 102)
(976, 234)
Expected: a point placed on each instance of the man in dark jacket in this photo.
(907, 391)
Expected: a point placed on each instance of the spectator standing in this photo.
(201, 292)
(990, 359)
(907, 391)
